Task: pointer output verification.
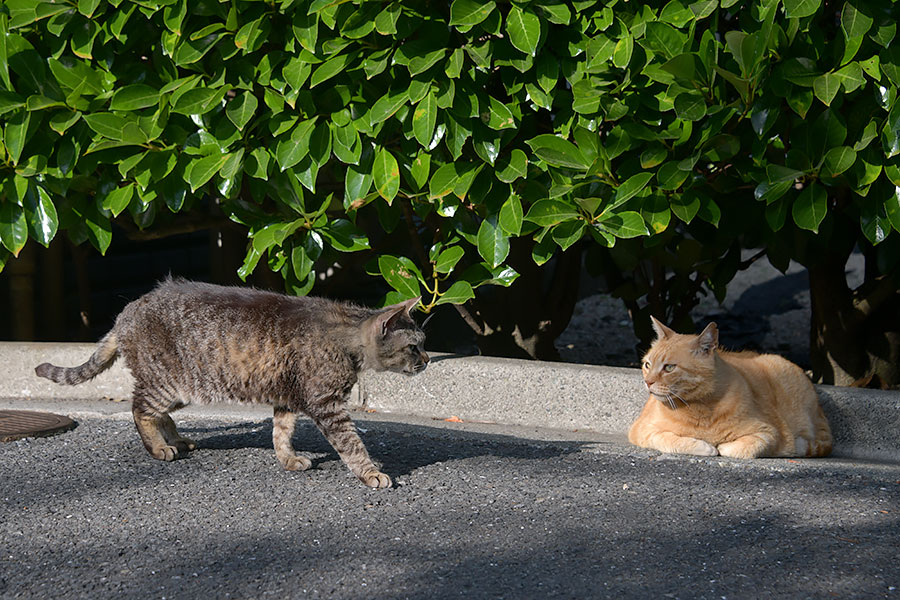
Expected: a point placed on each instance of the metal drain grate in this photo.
(18, 424)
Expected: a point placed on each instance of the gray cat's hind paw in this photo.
(376, 479)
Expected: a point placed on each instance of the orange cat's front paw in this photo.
(701, 448)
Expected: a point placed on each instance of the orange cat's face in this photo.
(678, 368)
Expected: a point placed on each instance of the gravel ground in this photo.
(764, 310)
(88, 514)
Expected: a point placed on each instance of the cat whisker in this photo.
(680, 398)
(425, 322)
(670, 402)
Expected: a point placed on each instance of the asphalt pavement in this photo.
(543, 498)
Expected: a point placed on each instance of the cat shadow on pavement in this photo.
(400, 448)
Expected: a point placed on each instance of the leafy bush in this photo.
(665, 136)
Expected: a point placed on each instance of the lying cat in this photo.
(195, 342)
(708, 401)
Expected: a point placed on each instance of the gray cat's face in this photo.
(399, 342)
(402, 349)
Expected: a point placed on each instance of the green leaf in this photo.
(770, 192)
(809, 208)
(198, 101)
(447, 259)
(467, 13)
(387, 105)
(628, 189)
(826, 87)
(549, 212)
(599, 50)
(241, 109)
(854, 22)
(386, 174)
(424, 119)
(458, 293)
(13, 226)
(512, 166)
(493, 242)
(15, 136)
(670, 176)
(566, 234)
(345, 237)
(331, 67)
(691, 107)
(797, 9)
(498, 115)
(305, 255)
(443, 181)
(558, 152)
(483, 274)
(623, 51)
(134, 97)
(290, 151)
(685, 206)
(201, 171)
(626, 224)
(511, 215)
(253, 35)
(401, 274)
(43, 221)
(892, 206)
(839, 159)
(850, 76)
(524, 30)
(118, 199)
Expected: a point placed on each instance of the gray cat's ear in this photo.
(389, 317)
(662, 331)
(708, 340)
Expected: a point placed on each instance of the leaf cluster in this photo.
(321, 126)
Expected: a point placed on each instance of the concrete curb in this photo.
(865, 423)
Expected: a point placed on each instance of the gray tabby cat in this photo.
(188, 341)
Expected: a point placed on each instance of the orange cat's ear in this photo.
(708, 340)
(662, 331)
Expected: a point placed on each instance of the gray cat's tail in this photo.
(103, 357)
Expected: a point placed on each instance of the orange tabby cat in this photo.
(708, 401)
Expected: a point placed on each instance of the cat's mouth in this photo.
(669, 398)
(415, 369)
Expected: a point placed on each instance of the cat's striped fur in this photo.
(195, 342)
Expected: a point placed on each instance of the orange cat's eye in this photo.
(669, 368)
(646, 364)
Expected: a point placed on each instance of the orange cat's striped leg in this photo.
(750, 446)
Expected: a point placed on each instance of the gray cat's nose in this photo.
(425, 358)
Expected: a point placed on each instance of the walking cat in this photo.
(196, 342)
(707, 401)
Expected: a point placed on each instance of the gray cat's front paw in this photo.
(184, 445)
(166, 453)
(376, 479)
(295, 463)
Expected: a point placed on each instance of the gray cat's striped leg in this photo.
(334, 422)
(173, 438)
(282, 431)
(155, 426)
